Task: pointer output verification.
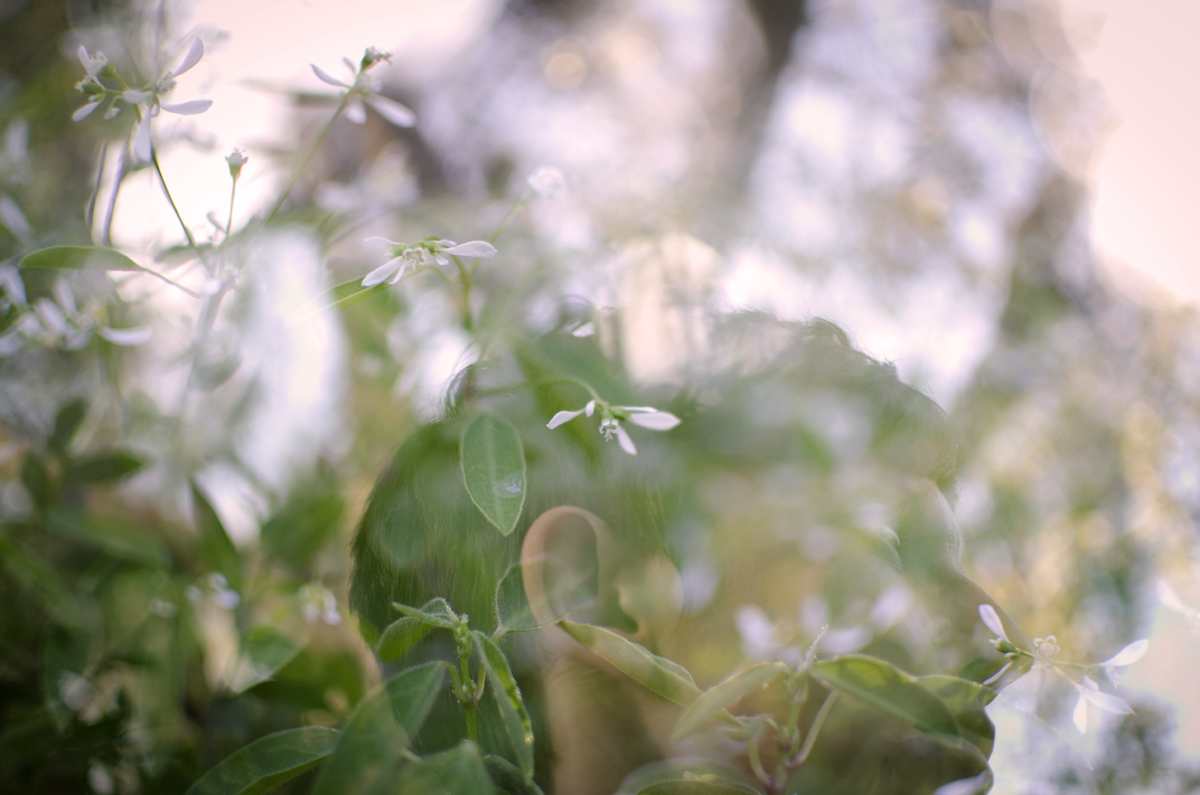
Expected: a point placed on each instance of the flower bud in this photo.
(236, 159)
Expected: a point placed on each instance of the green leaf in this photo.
(268, 762)
(730, 691)
(693, 787)
(79, 258)
(493, 467)
(340, 297)
(690, 769)
(510, 778)
(519, 729)
(459, 771)
(118, 538)
(670, 680)
(105, 467)
(400, 636)
(66, 423)
(216, 550)
(966, 700)
(38, 481)
(308, 521)
(886, 687)
(262, 652)
(40, 581)
(436, 613)
(371, 749)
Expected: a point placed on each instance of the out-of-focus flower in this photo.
(1089, 692)
(318, 603)
(1170, 600)
(236, 159)
(365, 88)
(549, 182)
(611, 418)
(59, 323)
(149, 99)
(404, 256)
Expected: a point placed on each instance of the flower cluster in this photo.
(318, 603)
(58, 323)
(402, 256)
(148, 100)
(365, 89)
(1042, 658)
(611, 418)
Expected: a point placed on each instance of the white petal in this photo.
(355, 111)
(381, 274)
(658, 421)
(349, 65)
(12, 217)
(333, 81)
(590, 407)
(1106, 702)
(10, 280)
(400, 273)
(381, 240)
(1170, 599)
(975, 785)
(51, 316)
(1128, 655)
(63, 294)
(478, 249)
(83, 56)
(112, 112)
(126, 336)
(625, 442)
(194, 54)
(141, 140)
(134, 97)
(1079, 716)
(189, 108)
(992, 621)
(561, 417)
(393, 111)
(994, 677)
(642, 409)
(85, 111)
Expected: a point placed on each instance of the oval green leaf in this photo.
(518, 727)
(261, 654)
(510, 778)
(730, 691)
(670, 680)
(459, 771)
(268, 762)
(493, 467)
(78, 258)
(105, 468)
(400, 636)
(887, 688)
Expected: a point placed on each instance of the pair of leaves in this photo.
(364, 757)
(406, 632)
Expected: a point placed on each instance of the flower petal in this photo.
(590, 407)
(1128, 655)
(321, 75)
(393, 111)
(134, 97)
(355, 111)
(126, 336)
(1170, 599)
(992, 621)
(141, 140)
(381, 274)
(1106, 702)
(561, 417)
(194, 54)
(658, 421)
(478, 249)
(400, 273)
(381, 240)
(625, 442)
(84, 111)
(83, 56)
(998, 674)
(189, 108)
(1079, 716)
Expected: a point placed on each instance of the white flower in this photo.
(1089, 691)
(365, 88)
(317, 603)
(404, 256)
(92, 64)
(548, 182)
(59, 323)
(236, 159)
(1171, 601)
(149, 100)
(612, 416)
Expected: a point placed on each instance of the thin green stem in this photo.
(756, 764)
(464, 279)
(312, 151)
(518, 205)
(163, 180)
(813, 731)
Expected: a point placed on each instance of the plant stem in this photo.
(813, 731)
(312, 150)
(163, 181)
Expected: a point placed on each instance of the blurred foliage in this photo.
(172, 601)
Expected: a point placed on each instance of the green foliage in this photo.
(267, 763)
(79, 258)
(493, 466)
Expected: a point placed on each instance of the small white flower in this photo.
(1089, 691)
(149, 99)
(549, 182)
(92, 64)
(365, 88)
(236, 159)
(405, 256)
(612, 416)
(317, 603)
(1171, 601)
